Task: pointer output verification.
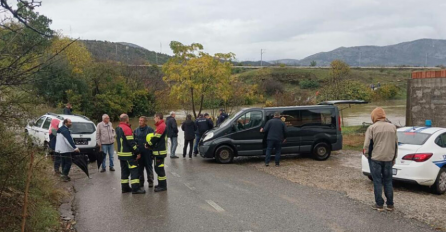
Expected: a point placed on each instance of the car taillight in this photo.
(339, 121)
(421, 157)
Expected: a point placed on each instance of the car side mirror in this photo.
(31, 123)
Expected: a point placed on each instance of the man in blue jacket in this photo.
(146, 160)
(65, 147)
(203, 125)
(222, 117)
(276, 135)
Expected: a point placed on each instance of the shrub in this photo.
(309, 84)
(386, 92)
(272, 87)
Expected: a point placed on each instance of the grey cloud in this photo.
(286, 29)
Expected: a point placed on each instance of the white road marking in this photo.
(189, 186)
(215, 206)
(175, 174)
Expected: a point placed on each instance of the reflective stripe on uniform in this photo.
(161, 166)
(131, 166)
(125, 181)
(122, 147)
(135, 147)
(135, 181)
(159, 153)
(162, 178)
(130, 137)
(157, 135)
(125, 154)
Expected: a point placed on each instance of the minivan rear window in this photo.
(309, 117)
(412, 138)
(82, 128)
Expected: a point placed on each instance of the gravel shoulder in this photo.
(342, 173)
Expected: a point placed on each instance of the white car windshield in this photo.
(82, 128)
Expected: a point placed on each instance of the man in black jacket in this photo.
(203, 125)
(276, 135)
(146, 160)
(172, 133)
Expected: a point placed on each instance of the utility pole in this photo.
(261, 57)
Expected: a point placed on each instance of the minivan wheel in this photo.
(321, 151)
(224, 154)
(439, 186)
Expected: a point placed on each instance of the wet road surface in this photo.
(205, 196)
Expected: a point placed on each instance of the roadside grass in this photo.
(353, 137)
(44, 195)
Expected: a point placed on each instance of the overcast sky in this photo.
(285, 29)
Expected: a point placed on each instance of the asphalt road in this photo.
(205, 196)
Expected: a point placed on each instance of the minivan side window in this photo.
(292, 118)
(39, 122)
(47, 123)
(249, 120)
(318, 117)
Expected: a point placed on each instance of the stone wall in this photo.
(426, 100)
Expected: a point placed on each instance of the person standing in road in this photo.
(68, 110)
(222, 117)
(202, 125)
(146, 161)
(381, 149)
(276, 135)
(157, 142)
(211, 123)
(105, 138)
(172, 133)
(128, 154)
(65, 147)
(189, 129)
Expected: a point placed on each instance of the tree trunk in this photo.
(201, 103)
(193, 104)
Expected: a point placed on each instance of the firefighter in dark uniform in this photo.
(157, 142)
(128, 154)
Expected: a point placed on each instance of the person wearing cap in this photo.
(222, 117)
(203, 125)
(172, 134)
(381, 149)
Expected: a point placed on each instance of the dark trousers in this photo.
(57, 160)
(66, 160)
(382, 176)
(145, 162)
(129, 168)
(277, 145)
(188, 142)
(159, 169)
(197, 141)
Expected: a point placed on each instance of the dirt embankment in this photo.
(342, 172)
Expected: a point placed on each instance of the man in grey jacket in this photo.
(65, 147)
(105, 137)
(381, 148)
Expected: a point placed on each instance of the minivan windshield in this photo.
(412, 138)
(82, 128)
(232, 116)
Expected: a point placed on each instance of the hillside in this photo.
(423, 52)
(123, 52)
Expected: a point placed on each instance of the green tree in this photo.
(339, 70)
(313, 63)
(192, 74)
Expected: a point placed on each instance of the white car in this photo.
(82, 130)
(421, 157)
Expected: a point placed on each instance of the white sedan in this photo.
(421, 157)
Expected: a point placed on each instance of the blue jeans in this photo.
(382, 176)
(66, 163)
(197, 140)
(277, 145)
(110, 150)
(173, 148)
